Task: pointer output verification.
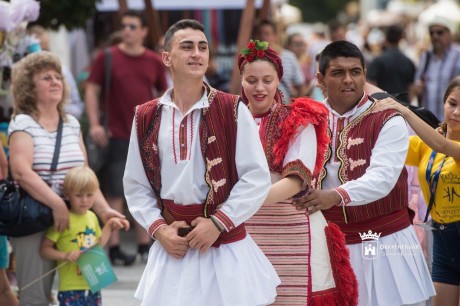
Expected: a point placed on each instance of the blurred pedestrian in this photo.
(392, 71)
(137, 75)
(292, 84)
(438, 66)
(40, 95)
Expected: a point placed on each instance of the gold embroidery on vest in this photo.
(356, 163)
(354, 142)
(218, 184)
(212, 163)
(211, 139)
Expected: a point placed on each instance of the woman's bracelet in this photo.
(217, 224)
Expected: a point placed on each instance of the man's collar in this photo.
(166, 100)
(351, 111)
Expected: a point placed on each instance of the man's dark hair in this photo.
(394, 34)
(181, 25)
(340, 48)
(136, 14)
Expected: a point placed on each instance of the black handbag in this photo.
(20, 214)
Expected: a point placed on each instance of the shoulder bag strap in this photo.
(425, 67)
(57, 147)
(107, 75)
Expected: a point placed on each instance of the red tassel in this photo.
(304, 111)
(346, 291)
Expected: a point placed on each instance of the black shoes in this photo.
(143, 252)
(119, 258)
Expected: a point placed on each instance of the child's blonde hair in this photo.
(80, 180)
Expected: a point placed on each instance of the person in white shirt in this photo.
(363, 185)
(193, 175)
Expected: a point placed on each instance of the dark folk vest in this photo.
(386, 215)
(217, 132)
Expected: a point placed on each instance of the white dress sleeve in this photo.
(141, 199)
(301, 154)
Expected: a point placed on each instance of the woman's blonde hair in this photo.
(80, 180)
(23, 85)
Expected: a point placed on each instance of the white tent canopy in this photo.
(112, 5)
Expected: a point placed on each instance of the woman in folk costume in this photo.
(308, 254)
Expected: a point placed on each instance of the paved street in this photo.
(121, 293)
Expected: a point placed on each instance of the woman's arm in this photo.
(300, 158)
(21, 159)
(3, 163)
(429, 135)
(284, 189)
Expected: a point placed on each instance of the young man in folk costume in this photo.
(195, 172)
(309, 255)
(364, 185)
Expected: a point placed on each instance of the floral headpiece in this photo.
(254, 50)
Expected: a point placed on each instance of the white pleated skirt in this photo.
(237, 273)
(397, 276)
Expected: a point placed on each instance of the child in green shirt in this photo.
(80, 186)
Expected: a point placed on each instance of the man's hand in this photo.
(99, 136)
(318, 200)
(204, 234)
(175, 245)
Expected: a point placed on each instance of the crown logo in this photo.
(370, 235)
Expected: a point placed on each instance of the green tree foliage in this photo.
(319, 10)
(70, 13)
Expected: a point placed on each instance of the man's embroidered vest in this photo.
(217, 133)
(354, 150)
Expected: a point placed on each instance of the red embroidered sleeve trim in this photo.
(297, 168)
(224, 220)
(155, 225)
(344, 195)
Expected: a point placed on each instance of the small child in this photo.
(80, 186)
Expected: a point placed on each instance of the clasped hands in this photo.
(316, 200)
(201, 237)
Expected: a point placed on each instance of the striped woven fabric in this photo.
(282, 232)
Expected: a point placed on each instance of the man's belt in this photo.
(176, 212)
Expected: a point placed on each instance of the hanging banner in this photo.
(112, 5)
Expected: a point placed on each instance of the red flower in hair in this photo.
(254, 49)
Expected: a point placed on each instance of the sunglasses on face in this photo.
(130, 26)
(437, 32)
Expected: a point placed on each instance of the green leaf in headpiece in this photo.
(261, 45)
(246, 51)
